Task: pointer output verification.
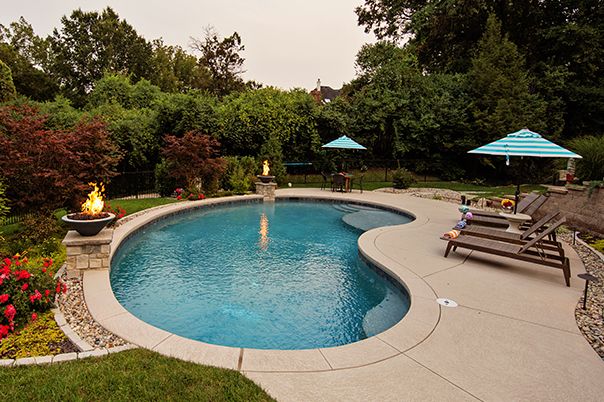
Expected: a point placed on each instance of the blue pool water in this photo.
(282, 275)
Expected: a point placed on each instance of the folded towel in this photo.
(452, 234)
(461, 224)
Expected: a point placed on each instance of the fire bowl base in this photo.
(267, 190)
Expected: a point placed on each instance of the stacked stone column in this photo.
(87, 252)
(267, 190)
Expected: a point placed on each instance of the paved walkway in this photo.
(512, 337)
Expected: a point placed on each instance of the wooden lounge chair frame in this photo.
(530, 251)
(499, 221)
(498, 234)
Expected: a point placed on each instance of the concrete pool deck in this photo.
(512, 337)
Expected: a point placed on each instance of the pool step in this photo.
(365, 220)
(345, 208)
(382, 316)
(362, 207)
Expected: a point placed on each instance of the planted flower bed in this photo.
(26, 290)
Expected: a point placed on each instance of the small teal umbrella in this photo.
(524, 143)
(344, 142)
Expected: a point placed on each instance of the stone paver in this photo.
(93, 353)
(63, 357)
(512, 337)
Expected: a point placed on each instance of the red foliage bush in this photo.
(193, 160)
(47, 169)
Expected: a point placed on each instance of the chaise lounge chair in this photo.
(501, 222)
(536, 250)
(522, 238)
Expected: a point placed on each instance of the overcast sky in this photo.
(288, 43)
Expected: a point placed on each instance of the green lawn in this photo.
(135, 205)
(486, 191)
(133, 375)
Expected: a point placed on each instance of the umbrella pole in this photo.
(516, 196)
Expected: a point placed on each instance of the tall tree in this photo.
(562, 41)
(222, 59)
(90, 44)
(27, 55)
(174, 70)
(500, 87)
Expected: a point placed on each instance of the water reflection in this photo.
(263, 241)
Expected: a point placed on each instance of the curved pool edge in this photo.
(416, 326)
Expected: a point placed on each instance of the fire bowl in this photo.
(87, 227)
(265, 179)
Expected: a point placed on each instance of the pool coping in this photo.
(413, 329)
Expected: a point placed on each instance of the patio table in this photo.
(514, 221)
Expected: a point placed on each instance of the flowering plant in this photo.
(507, 204)
(118, 211)
(182, 194)
(25, 291)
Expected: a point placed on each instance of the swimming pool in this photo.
(282, 275)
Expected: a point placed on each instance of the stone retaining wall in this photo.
(582, 212)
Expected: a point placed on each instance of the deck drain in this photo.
(446, 302)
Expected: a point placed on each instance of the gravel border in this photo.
(591, 320)
(79, 326)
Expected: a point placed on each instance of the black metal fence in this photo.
(132, 185)
(378, 170)
(15, 218)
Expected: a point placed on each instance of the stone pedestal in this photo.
(267, 190)
(87, 252)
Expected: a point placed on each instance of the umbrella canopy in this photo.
(524, 143)
(344, 142)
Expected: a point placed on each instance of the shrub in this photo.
(164, 183)
(402, 178)
(193, 161)
(26, 290)
(41, 337)
(39, 227)
(591, 148)
(45, 169)
(239, 174)
(3, 201)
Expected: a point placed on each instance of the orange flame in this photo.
(265, 168)
(94, 204)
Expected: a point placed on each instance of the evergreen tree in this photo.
(7, 87)
(502, 101)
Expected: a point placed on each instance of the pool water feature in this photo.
(284, 275)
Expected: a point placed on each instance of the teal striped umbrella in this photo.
(524, 143)
(344, 142)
